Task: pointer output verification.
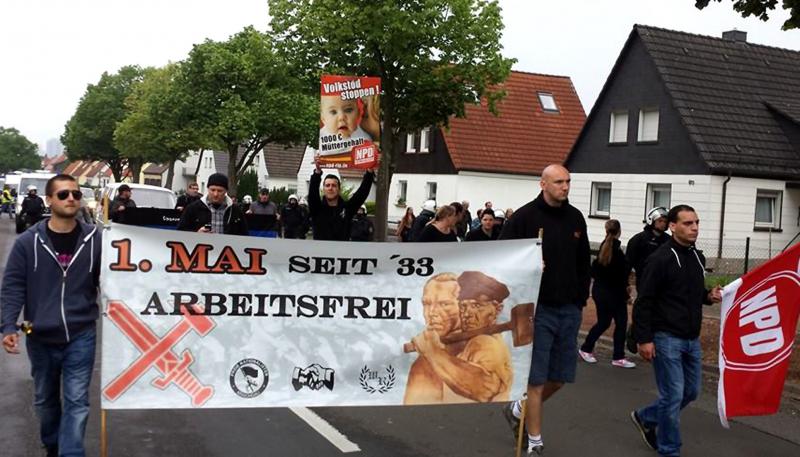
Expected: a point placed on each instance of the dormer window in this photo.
(548, 102)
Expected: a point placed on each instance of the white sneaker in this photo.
(587, 357)
(623, 363)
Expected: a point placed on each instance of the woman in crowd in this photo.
(610, 272)
(404, 227)
(442, 227)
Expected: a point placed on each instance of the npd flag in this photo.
(758, 327)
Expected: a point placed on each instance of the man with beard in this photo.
(60, 331)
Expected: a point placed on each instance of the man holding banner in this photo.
(214, 213)
(562, 295)
(667, 320)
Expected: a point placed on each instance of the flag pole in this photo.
(523, 407)
(103, 428)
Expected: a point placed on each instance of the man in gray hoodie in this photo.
(59, 320)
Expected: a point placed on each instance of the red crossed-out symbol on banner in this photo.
(158, 352)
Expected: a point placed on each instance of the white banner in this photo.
(216, 321)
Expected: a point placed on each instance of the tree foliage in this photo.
(433, 57)
(17, 152)
(762, 8)
(89, 134)
(248, 184)
(244, 97)
(157, 127)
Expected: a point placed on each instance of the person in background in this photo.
(610, 271)
(121, 202)
(476, 222)
(214, 213)
(263, 206)
(499, 220)
(509, 213)
(247, 201)
(644, 243)
(7, 202)
(425, 217)
(33, 206)
(486, 231)
(294, 218)
(362, 228)
(463, 225)
(331, 214)
(404, 226)
(192, 195)
(442, 227)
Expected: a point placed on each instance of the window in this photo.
(658, 195)
(548, 102)
(402, 191)
(618, 132)
(424, 140)
(430, 191)
(411, 143)
(648, 125)
(768, 209)
(601, 199)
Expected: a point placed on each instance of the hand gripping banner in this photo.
(214, 321)
(758, 327)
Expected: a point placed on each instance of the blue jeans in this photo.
(70, 364)
(677, 368)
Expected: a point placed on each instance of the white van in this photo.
(145, 196)
(38, 179)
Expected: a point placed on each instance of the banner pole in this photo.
(524, 407)
(103, 437)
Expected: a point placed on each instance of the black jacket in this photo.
(671, 293)
(419, 224)
(295, 221)
(32, 207)
(361, 229)
(478, 235)
(641, 245)
(185, 200)
(612, 279)
(117, 215)
(565, 249)
(197, 214)
(333, 222)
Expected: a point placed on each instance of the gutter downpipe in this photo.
(722, 214)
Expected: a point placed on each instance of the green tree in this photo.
(433, 57)
(761, 9)
(89, 134)
(157, 127)
(17, 152)
(244, 98)
(248, 184)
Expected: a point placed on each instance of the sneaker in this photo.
(623, 363)
(587, 357)
(536, 450)
(514, 423)
(648, 433)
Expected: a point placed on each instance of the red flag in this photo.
(758, 325)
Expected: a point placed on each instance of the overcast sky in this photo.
(51, 49)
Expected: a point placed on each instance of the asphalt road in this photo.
(587, 418)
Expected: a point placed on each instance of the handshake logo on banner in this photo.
(315, 377)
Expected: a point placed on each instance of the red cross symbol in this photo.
(158, 352)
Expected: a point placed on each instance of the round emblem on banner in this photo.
(249, 378)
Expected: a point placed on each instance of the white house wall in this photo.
(702, 192)
(504, 191)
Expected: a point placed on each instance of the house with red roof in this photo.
(482, 157)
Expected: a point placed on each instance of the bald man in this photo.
(562, 294)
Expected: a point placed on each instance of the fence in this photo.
(738, 256)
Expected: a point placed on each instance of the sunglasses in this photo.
(64, 194)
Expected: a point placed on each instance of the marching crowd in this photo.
(666, 316)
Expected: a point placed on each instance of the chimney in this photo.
(735, 35)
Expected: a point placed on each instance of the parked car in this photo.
(145, 196)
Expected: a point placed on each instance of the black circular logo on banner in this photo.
(249, 378)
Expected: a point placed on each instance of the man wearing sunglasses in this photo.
(53, 273)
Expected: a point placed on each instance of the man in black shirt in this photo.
(667, 319)
(331, 215)
(486, 231)
(192, 195)
(644, 243)
(122, 201)
(562, 294)
(32, 207)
